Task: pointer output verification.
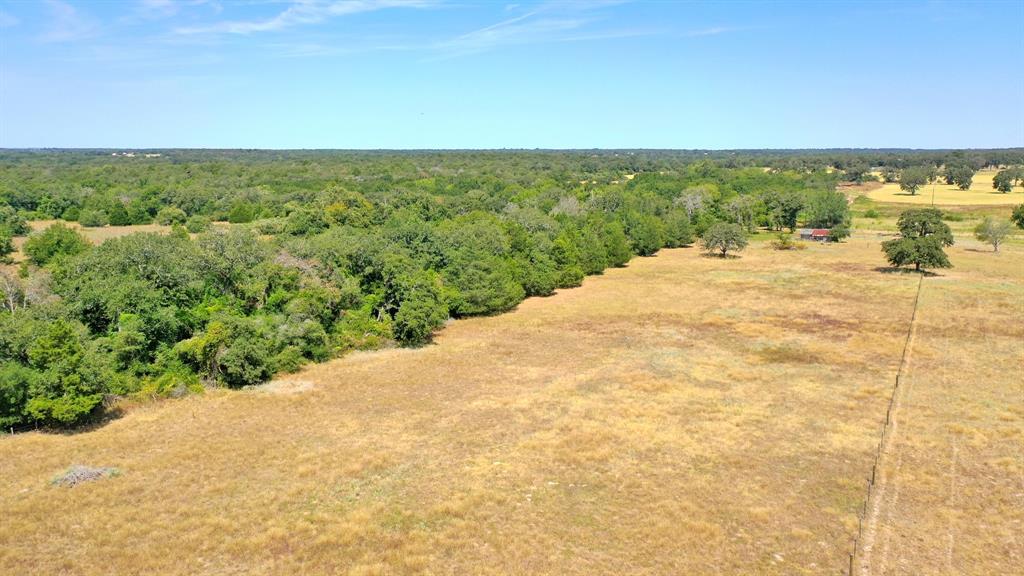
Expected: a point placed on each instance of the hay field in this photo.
(682, 415)
(980, 193)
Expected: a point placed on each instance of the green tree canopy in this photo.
(960, 175)
(56, 240)
(911, 179)
(724, 237)
(923, 235)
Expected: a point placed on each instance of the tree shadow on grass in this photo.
(720, 256)
(908, 271)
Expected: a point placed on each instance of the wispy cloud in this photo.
(7, 20)
(712, 31)
(67, 24)
(548, 23)
(301, 12)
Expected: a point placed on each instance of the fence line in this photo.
(884, 435)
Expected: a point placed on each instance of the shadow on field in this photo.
(910, 271)
(720, 256)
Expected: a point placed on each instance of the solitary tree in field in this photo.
(923, 235)
(1003, 181)
(722, 237)
(992, 231)
(961, 175)
(914, 177)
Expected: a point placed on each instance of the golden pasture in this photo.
(683, 415)
(980, 193)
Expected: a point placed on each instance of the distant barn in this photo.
(815, 234)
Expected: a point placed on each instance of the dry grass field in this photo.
(94, 235)
(980, 193)
(684, 415)
(953, 483)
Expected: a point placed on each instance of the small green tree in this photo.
(677, 229)
(1003, 181)
(6, 245)
(617, 244)
(923, 235)
(722, 237)
(914, 177)
(646, 233)
(67, 389)
(170, 215)
(57, 240)
(197, 224)
(992, 231)
(1018, 216)
(241, 213)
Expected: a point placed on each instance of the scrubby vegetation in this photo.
(328, 251)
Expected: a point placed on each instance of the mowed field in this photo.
(682, 415)
(980, 193)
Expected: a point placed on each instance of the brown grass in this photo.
(955, 473)
(95, 235)
(684, 415)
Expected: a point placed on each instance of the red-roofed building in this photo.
(816, 234)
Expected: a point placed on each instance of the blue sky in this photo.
(463, 74)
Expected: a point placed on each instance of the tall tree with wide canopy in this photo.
(923, 235)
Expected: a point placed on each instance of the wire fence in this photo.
(884, 438)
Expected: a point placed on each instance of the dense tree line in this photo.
(332, 251)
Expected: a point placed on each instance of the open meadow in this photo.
(980, 193)
(682, 415)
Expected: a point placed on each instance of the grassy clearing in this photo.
(683, 415)
(95, 235)
(980, 193)
(956, 471)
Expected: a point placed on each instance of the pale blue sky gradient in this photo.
(432, 74)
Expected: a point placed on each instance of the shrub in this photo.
(171, 215)
(197, 224)
(241, 213)
(1018, 216)
(839, 232)
(305, 221)
(871, 213)
(93, 218)
(360, 329)
(13, 221)
(785, 241)
(6, 245)
(57, 240)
